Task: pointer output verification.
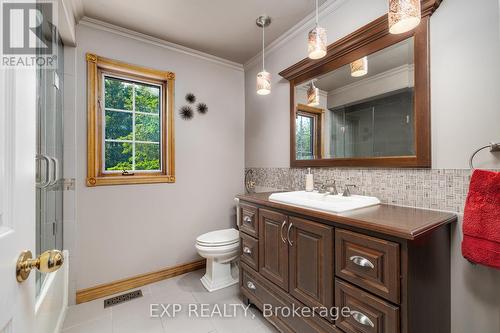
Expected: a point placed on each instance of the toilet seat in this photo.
(219, 238)
(220, 248)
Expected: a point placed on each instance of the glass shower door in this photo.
(49, 192)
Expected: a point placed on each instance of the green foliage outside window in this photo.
(304, 131)
(132, 126)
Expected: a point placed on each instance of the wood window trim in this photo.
(97, 65)
(318, 115)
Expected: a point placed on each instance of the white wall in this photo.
(465, 80)
(127, 230)
(465, 94)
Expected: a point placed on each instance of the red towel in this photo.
(481, 227)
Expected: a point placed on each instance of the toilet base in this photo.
(218, 276)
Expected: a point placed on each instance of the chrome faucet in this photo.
(347, 191)
(332, 187)
(320, 187)
(327, 188)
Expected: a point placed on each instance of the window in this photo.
(305, 136)
(308, 127)
(130, 124)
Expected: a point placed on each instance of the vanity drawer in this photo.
(369, 314)
(260, 291)
(249, 222)
(249, 251)
(368, 262)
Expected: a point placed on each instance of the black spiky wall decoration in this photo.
(190, 98)
(186, 112)
(202, 108)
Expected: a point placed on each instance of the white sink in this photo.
(324, 202)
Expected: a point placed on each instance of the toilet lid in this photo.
(219, 237)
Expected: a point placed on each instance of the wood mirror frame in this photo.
(371, 38)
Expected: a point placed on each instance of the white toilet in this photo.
(219, 247)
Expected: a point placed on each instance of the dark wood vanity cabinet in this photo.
(310, 271)
(388, 266)
(273, 247)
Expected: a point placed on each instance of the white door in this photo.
(17, 196)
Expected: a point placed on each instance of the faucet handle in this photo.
(347, 191)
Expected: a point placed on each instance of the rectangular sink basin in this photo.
(324, 202)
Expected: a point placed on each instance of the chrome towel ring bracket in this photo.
(494, 147)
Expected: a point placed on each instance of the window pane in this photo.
(147, 156)
(147, 98)
(147, 128)
(117, 94)
(304, 137)
(118, 156)
(118, 125)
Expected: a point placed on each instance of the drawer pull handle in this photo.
(288, 234)
(360, 261)
(247, 219)
(282, 226)
(362, 319)
(247, 250)
(251, 286)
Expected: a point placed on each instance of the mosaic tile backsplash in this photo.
(424, 188)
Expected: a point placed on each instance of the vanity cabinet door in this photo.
(311, 262)
(273, 247)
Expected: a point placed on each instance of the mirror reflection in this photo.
(362, 109)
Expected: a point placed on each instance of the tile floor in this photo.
(134, 316)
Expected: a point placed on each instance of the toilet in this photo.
(220, 248)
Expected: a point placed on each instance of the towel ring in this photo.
(494, 147)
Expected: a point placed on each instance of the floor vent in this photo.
(122, 298)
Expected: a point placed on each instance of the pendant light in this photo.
(316, 45)
(312, 95)
(404, 15)
(264, 77)
(359, 67)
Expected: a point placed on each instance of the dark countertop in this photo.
(401, 222)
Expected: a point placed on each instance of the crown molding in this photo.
(104, 26)
(305, 24)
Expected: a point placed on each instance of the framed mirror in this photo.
(366, 103)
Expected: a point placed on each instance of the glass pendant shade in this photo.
(263, 83)
(316, 46)
(359, 67)
(263, 77)
(312, 95)
(404, 15)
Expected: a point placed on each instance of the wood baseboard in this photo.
(89, 294)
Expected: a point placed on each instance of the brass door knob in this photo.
(47, 262)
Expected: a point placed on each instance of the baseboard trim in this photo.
(89, 294)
